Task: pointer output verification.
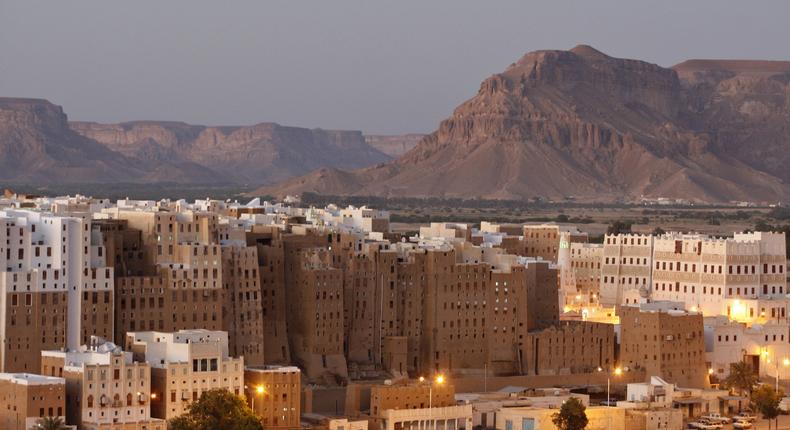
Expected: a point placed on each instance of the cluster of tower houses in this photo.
(118, 315)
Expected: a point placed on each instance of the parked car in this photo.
(711, 424)
(701, 425)
(745, 416)
(741, 425)
(716, 418)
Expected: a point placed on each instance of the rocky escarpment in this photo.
(256, 154)
(581, 123)
(37, 145)
(744, 107)
(394, 145)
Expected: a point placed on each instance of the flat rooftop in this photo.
(31, 379)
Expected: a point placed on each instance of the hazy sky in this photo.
(383, 67)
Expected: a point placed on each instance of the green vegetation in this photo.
(741, 378)
(619, 227)
(50, 423)
(766, 400)
(780, 213)
(217, 409)
(137, 191)
(572, 415)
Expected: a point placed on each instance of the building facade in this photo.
(27, 397)
(105, 388)
(185, 364)
(665, 343)
(274, 394)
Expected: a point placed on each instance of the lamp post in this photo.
(617, 372)
(439, 380)
(785, 363)
(258, 390)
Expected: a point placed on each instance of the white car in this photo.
(711, 424)
(741, 425)
(701, 425)
(745, 416)
(716, 418)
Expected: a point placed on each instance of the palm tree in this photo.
(741, 377)
(50, 423)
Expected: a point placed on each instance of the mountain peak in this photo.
(579, 122)
(589, 52)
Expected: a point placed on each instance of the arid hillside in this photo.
(580, 123)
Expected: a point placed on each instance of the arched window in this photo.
(90, 401)
(129, 399)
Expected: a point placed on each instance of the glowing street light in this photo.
(785, 363)
(617, 371)
(259, 390)
(438, 380)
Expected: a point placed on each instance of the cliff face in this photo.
(745, 108)
(395, 145)
(581, 123)
(36, 145)
(257, 154)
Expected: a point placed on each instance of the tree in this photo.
(619, 227)
(741, 377)
(50, 423)
(572, 415)
(217, 409)
(766, 400)
(658, 231)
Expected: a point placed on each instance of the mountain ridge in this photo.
(581, 123)
(39, 145)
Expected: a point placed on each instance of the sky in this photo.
(384, 67)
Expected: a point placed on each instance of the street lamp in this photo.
(617, 372)
(785, 363)
(259, 390)
(438, 380)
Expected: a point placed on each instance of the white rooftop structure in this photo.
(179, 347)
(31, 379)
(100, 352)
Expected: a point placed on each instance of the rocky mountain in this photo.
(258, 154)
(37, 146)
(394, 145)
(581, 123)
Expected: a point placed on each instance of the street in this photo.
(761, 424)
